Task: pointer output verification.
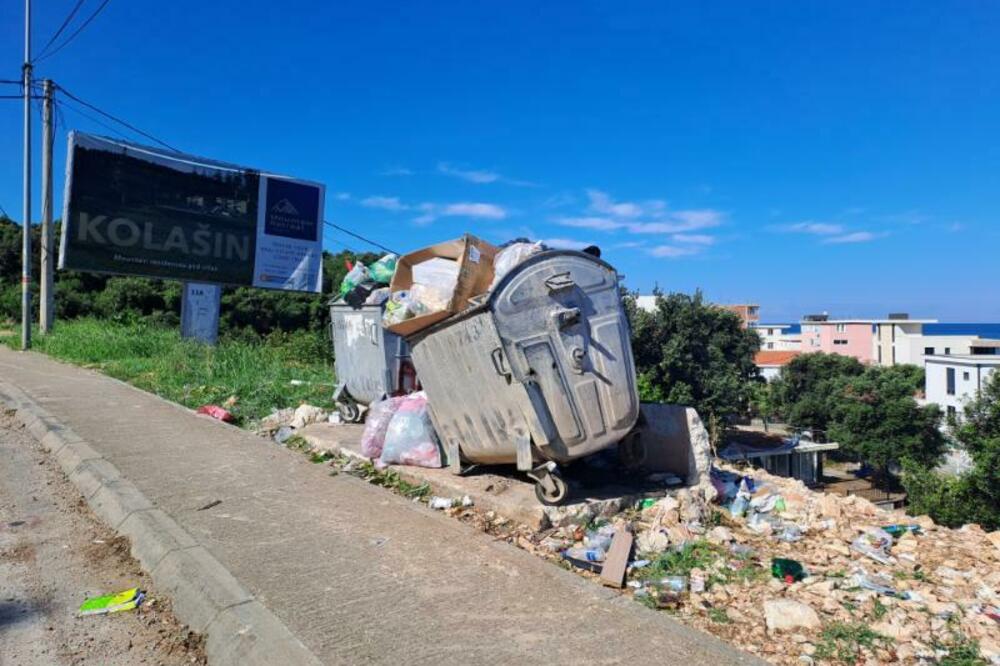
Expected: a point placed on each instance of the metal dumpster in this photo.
(540, 372)
(370, 362)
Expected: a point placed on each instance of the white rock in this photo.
(788, 615)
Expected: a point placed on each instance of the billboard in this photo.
(134, 210)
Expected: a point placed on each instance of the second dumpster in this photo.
(539, 374)
(370, 361)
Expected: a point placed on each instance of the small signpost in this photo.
(200, 311)
(134, 210)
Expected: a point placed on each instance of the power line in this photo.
(76, 8)
(359, 237)
(110, 128)
(77, 32)
(117, 120)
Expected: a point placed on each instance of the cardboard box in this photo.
(475, 274)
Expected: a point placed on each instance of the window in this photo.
(950, 375)
(952, 413)
(965, 376)
(770, 345)
(947, 351)
(840, 342)
(841, 328)
(928, 351)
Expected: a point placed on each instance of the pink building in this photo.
(848, 337)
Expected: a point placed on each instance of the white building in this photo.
(952, 381)
(776, 337)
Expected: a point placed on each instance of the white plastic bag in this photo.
(509, 257)
(410, 438)
(437, 272)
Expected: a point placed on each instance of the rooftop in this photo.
(965, 359)
(776, 358)
(869, 321)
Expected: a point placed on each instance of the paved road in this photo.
(53, 554)
(358, 574)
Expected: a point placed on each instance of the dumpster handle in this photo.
(559, 281)
(499, 363)
(372, 332)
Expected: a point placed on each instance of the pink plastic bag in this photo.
(376, 423)
(410, 439)
(216, 412)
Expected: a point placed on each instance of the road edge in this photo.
(238, 628)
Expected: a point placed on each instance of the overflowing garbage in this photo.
(797, 576)
(368, 285)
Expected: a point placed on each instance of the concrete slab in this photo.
(501, 489)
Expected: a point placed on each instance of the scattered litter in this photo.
(216, 412)
(113, 603)
(283, 434)
(376, 424)
(790, 571)
(467, 501)
(211, 504)
(874, 543)
(440, 503)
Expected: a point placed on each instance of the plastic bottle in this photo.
(585, 554)
(789, 571)
(897, 531)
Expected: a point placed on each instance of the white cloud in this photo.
(477, 210)
(566, 243)
(694, 239)
(480, 176)
(675, 222)
(601, 203)
(384, 203)
(471, 175)
(673, 251)
(855, 237)
(343, 196)
(814, 228)
(485, 211)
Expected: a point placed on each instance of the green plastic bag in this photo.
(382, 270)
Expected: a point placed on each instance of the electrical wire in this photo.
(359, 237)
(117, 120)
(110, 128)
(72, 13)
(77, 32)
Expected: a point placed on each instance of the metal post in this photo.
(26, 212)
(46, 292)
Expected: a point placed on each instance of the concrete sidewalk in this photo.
(355, 573)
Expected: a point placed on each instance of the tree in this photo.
(692, 353)
(803, 390)
(875, 416)
(973, 497)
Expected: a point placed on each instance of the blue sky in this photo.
(806, 156)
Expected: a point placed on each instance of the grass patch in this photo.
(391, 480)
(258, 373)
(719, 565)
(718, 615)
(962, 651)
(844, 642)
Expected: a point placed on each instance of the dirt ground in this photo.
(53, 555)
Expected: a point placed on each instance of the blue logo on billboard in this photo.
(292, 210)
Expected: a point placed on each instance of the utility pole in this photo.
(46, 292)
(26, 212)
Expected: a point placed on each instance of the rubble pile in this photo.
(797, 576)
(792, 575)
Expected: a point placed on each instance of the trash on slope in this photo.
(113, 603)
(410, 438)
(216, 412)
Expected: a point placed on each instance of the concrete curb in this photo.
(238, 628)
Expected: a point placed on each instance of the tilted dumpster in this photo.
(540, 373)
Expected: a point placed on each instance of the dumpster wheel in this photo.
(550, 487)
(349, 411)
